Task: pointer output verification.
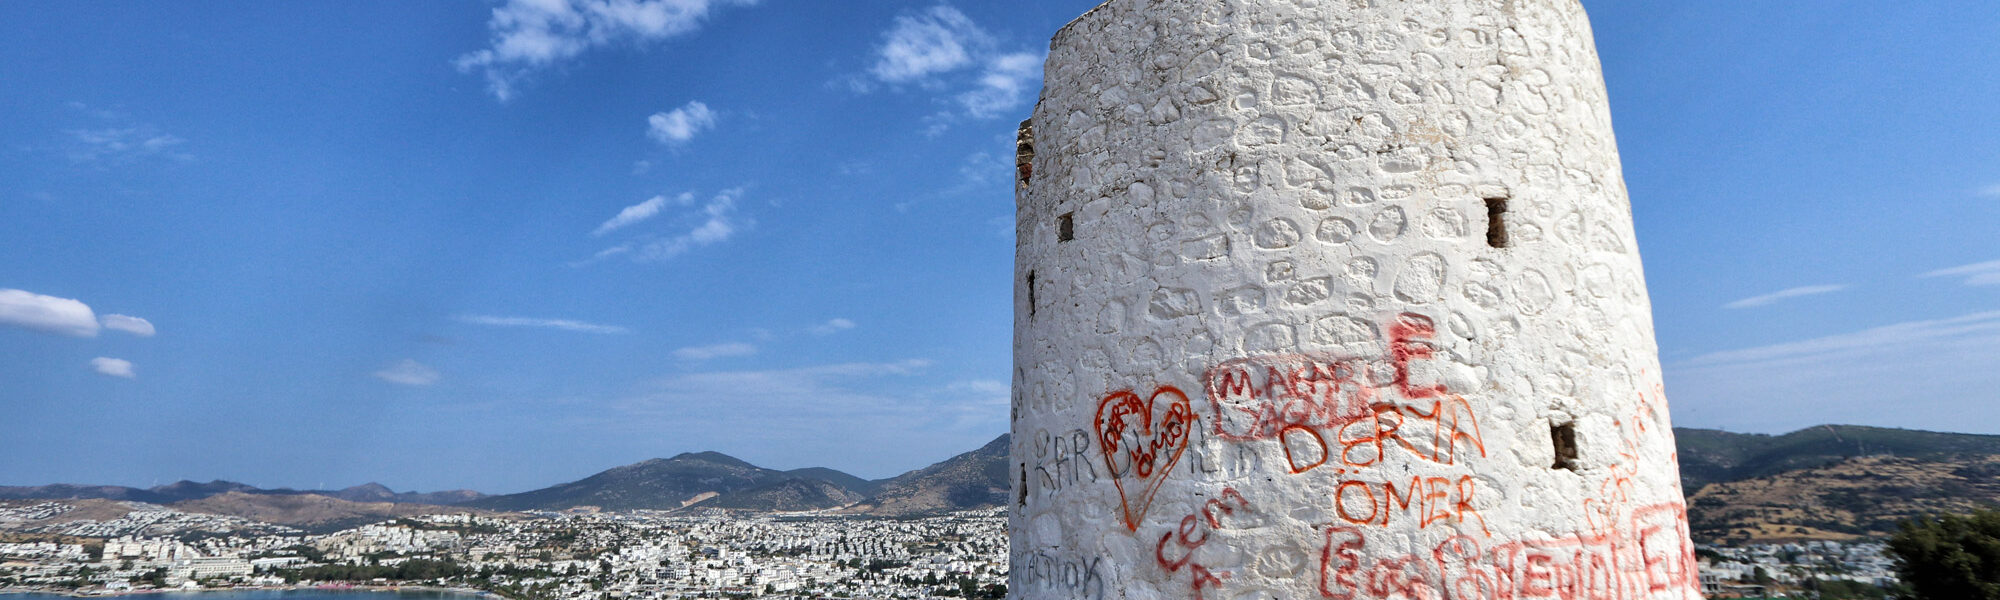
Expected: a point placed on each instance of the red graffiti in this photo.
(1647, 557)
(1184, 537)
(1301, 399)
(1435, 500)
(1129, 432)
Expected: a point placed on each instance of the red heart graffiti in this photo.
(1127, 431)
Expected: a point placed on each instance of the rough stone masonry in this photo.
(1334, 299)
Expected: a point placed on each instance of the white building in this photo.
(1334, 298)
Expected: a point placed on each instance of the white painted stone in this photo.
(1277, 356)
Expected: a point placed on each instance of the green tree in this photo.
(1950, 557)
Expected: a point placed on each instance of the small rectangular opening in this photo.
(1024, 153)
(1496, 222)
(1022, 490)
(1066, 227)
(1564, 437)
(1031, 293)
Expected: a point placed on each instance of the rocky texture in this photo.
(1316, 297)
(791, 494)
(375, 492)
(1709, 456)
(702, 479)
(1831, 481)
(310, 512)
(976, 479)
(660, 484)
(857, 485)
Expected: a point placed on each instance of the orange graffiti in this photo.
(1147, 447)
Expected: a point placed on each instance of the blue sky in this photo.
(444, 245)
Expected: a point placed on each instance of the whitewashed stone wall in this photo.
(1334, 299)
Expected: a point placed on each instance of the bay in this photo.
(269, 595)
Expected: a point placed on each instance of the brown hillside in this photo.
(1856, 497)
(308, 511)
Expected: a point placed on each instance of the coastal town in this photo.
(585, 555)
(594, 555)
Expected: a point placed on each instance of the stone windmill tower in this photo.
(1336, 299)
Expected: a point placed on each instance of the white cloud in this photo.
(1766, 299)
(1991, 191)
(48, 314)
(1921, 374)
(681, 124)
(114, 367)
(639, 212)
(1007, 80)
(792, 397)
(931, 48)
(132, 325)
(719, 223)
(715, 351)
(122, 144)
(562, 324)
(529, 35)
(934, 41)
(1986, 273)
(832, 326)
(408, 372)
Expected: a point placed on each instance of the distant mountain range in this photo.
(976, 479)
(1831, 481)
(1823, 482)
(180, 491)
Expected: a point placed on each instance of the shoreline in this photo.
(468, 592)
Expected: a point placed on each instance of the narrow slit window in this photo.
(1021, 492)
(1024, 153)
(1564, 437)
(1066, 227)
(1031, 293)
(1496, 222)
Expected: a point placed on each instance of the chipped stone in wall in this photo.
(1336, 299)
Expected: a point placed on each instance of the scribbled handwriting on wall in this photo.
(1069, 576)
(1192, 533)
(1062, 460)
(1141, 439)
(1644, 558)
(1302, 400)
(1427, 500)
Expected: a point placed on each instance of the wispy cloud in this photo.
(112, 138)
(48, 314)
(788, 414)
(1985, 273)
(936, 49)
(714, 222)
(1991, 191)
(640, 212)
(787, 397)
(832, 326)
(679, 125)
(527, 36)
(408, 372)
(1005, 82)
(1767, 299)
(562, 324)
(117, 145)
(927, 43)
(128, 324)
(712, 351)
(115, 367)
(1919, 374)
(719, 225)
